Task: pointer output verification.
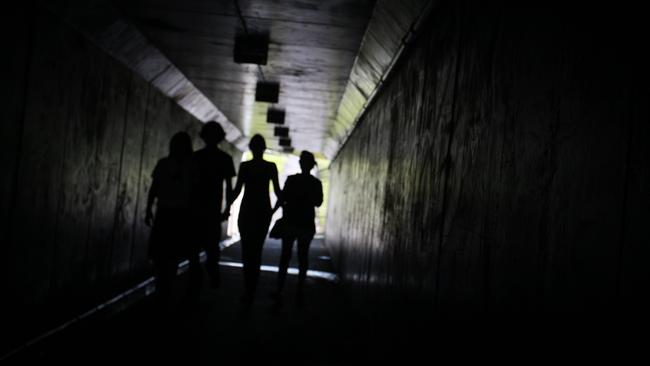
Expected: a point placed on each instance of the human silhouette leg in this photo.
(285, 259)
(303, 265)
(256, 261)
(253, 234)
(163, 250)
(209, 229)
(213, 255)
(195, 276)
(247, 261)
(252, 259)
(165, 271)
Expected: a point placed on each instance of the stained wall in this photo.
(502, 168)
(80, 136)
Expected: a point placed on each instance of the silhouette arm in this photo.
(318, 198)
(229, 191)
(228, 187)
(280, 201)
(230, 172)
(151, 197)
(235, 192)
(276, 183)
(276, 189)
(282, 193)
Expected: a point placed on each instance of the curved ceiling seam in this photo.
(350, 111)
(104, 26)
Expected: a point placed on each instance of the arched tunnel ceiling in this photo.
(330, 57)
(313, 45)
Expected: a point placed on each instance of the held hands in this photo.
(277, 206)
(224, 216)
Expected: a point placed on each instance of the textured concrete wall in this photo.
(80, 137)
(503, 167)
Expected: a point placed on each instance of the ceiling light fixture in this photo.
(267, 91)
(284, 142)
(251, 48)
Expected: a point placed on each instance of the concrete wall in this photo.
(503, 168)
(80, 136)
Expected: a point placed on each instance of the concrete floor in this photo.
(327, 329)
(324, 330)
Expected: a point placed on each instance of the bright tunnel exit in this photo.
(287, 164)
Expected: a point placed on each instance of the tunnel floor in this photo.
(327, 329)
(323, 330)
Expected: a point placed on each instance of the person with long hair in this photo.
(174, 179)
(255, 211)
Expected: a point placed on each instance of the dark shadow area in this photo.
(491, 203)
(219, 329)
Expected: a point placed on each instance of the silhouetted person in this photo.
(174, 178)
(215, 168)
(301, 194)
(255, 212)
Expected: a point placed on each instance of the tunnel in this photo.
(482, 166)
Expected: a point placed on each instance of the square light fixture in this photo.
(284, 142)
(267, 91)
(281, 131)
(274, 115)
(251, 48)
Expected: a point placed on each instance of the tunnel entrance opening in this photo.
(287, 165)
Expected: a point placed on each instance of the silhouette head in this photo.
(180, 145)
(212, 133)
(257, 146)
(307, 161)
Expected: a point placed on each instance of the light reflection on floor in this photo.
(292, 271)
(332, 277)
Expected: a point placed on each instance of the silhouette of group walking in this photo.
(190, 196)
